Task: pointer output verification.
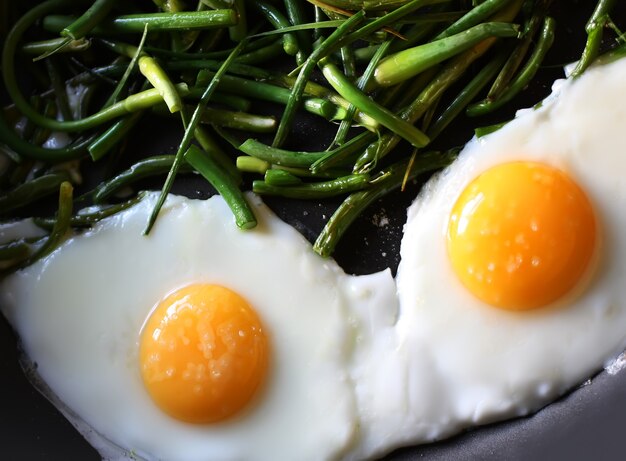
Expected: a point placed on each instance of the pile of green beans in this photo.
(388, 77)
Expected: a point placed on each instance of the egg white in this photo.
(79, 313)
(469, 363)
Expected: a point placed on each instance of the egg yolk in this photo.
(203, 353)
(521, 235)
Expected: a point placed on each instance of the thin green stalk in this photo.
(389, 179)
(544, 43)
(157, 22)
(296, 95)
(223, 183)
(384, 116)
(314, 190)
(594, 29)
(408, 63)
(31, 191)
(469, 92)
(189, 134)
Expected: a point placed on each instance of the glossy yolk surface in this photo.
(521, 235)
(203, 353)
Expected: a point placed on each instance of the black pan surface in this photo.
(585, 424)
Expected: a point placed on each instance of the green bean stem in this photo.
(223, 183)
(315, 190)
(474, 17)
(190, 133)
(61, 225)
(151, 166)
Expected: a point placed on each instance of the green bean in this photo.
(93, 216)
(468, 93)
(319, 91)
(297, 17)
(81, 26)
(296, 95)
(280, 178)
(298, 159)
(384, 116)
(209, 144)
(157, 22)
(214, 64)
(450, 73)
(60, 228)
(131, 104)
(390, 179)
(150, 69)
(342, 131)
(474, 17)
(240, 120)
(88, 20)
(58, 86)
(516, 58)
(485, 130)
(408, 63)
(390, 18)
(223, 183)
(151, 166)
(252, 164)
(31, 191)
(45, 46)
(594, 29)
(544, 43)
(112, 136)
(239, 30)
(338, 156)
(261, 55)
(315, 190)
(189, 134)
(349, 64)
(279, 21)
(273, 93)
(278, 156)
(26, 149)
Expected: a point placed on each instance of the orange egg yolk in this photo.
(203, 353)
(521, 235)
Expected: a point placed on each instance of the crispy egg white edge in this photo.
(331, 355)
(586, 105)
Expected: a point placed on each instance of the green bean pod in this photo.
(223, 183)
(408, 63)
(314, 190)
(31, 191)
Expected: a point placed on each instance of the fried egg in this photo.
(510, 281)
(199, 341)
